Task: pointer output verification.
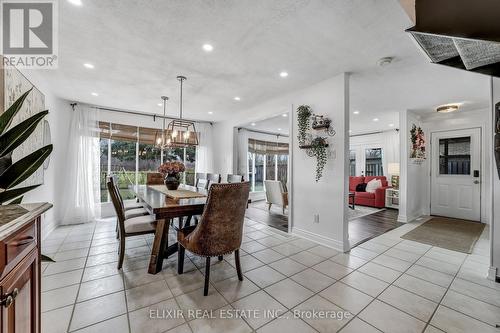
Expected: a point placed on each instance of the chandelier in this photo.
(179, 133)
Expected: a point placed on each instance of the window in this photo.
(149, 160)
(104, 149)
(352, 163)
(266, 161)
(454, 156)
(123, 166)
(283, 168)
(186, 156)
(259, 172)
(270, 166)
(373, 164)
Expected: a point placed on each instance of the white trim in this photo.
(47, 228)
(322, 240)
(492, 273)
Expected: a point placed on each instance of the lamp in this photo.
(393, 170)
(160, 137)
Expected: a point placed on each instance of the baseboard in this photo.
(492, 274)
(322, 240)
(48, 227)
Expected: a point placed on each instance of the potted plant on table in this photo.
(171, 171)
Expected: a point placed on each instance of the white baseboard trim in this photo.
(492, 273)
(322, 240)
(48, 227)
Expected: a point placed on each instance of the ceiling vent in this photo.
(459, 33)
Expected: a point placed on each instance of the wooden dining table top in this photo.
(158, 203)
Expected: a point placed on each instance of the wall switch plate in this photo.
(316, 218)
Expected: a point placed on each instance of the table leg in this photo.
(159, 244)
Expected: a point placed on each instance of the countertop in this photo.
(14, 217)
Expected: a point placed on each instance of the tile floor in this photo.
(386, 284)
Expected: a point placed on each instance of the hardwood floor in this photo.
(367, 227)
(258, 212)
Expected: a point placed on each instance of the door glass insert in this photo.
(352, 163)
(373, 165)
(454, 156)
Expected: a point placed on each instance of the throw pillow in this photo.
(361, 187)
(373, 185)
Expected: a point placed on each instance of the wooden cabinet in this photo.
(20, 280)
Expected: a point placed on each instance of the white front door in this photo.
(455, 174)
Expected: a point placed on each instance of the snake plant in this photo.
(10, 139)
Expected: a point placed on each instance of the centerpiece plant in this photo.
(171, 172)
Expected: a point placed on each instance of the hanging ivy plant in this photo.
(318, 148)
(304, 113)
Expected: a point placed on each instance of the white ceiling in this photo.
(277, 124)
(139, 47)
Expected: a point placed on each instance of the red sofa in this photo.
(376, 199)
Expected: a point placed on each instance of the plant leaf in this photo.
(24, 168)
(46, 258)
(7, 116)
(16, 201)
(11, 194)
(16, 135)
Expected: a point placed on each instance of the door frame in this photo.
(482, 165)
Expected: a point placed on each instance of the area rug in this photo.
(447, 233)
(360, 211)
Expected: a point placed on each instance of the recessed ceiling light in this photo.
(356, 112)
(447, 108)
(253, 124)
(285, 115)
(391, 125)
(89, 66)
(208, 48)
(386, 61)
(210, 112)
(159, 104)
(75, 2)
(94, 94)
(350, 131)
(237, 98)
(375, 119)
(279, 129)
(283, 74)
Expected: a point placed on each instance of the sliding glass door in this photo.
(266, 161)
(366, 160)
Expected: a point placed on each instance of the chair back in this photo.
(274, 190)
(117, 204)
(234, 178)
(201, 181)
(213, 178)
(154, 178)
(220, 229)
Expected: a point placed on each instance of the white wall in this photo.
(52, 189)
(414, 178)
(495, 227)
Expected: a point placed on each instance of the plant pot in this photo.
(172, 182)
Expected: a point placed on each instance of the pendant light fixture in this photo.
(160, 137)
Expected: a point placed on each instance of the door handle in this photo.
(476, 182)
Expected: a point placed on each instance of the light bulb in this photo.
(168, 141)
(158, 141)
(174, 133)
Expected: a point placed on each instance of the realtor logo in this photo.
(29, 33)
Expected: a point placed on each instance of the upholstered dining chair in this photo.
(200, 177)
(234, 178)
(276, 193)
(220, 229)
(127, 227)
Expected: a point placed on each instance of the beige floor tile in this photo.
(374, 247)
(252, 247)
(408, 302)
(393, 263)
(117, 325)
(220, 323)
(270, 241)
(61, 280)
(323, 251)
(57, 321)
(72, 254)
(430, 275)
(358, 326)
(156, 318)
(335, 319)
(289, 293)
(346, 297)
(365, 283)
(363, 253)
(380, 272)
(450, 320)
(313, 280)
(195, 300)
(348, 260)
(186, 282)
(485, 294)
(410, 248)
(287, 249)
(403, 255)
(389, 319)
(474, 308)
(307, 258)
(98, 309)
(220, 270)
(432, 329)
(264, 276)
(184, 328)
(286, 323)
(139, 277)
(248, 263)
(332, 269)
(437, 265)
(267, 256)
(259, 302)
(420, 287)
(147, 294)
(100, 287)
(101, 259)
(287, 266)
(233, 289)
(100, 271)
(57, 298)
(64, 266)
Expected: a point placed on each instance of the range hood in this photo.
(464, 34)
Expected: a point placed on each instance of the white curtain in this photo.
(204, 150)
(390, 142)
(82, 191)
(243, 136)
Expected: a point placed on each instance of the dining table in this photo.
(168, 207)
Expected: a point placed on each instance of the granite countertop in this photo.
(13, 217)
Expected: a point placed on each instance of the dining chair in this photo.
(276, 193)
(234, 178)
(213, 178)
(220, 229)
(154, 178)
(199, 176)
(128, 227)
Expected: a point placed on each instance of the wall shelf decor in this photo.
(418, 145)
(314, 145)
